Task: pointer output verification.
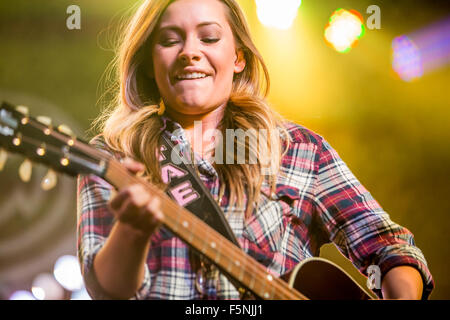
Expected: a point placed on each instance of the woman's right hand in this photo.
(135, 206)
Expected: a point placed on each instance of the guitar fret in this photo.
(177, 225)
(219, 251)
(263, 289)
(191, 235)
(241, 275)
(273, 292)
(252, 282)
(230, 265)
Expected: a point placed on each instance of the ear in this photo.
(239, 63)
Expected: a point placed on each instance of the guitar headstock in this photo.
(39, 141)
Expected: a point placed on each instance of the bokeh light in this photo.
(278, 14)
(38, 293)
(344, 29)
(67, 273)
(422, 51)
(407, 62)
(22, 295)
(45, 287)
(81, 294)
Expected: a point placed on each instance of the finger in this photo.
(127, 213)
(137, 195)
(151, 216)
(117, 201)
(141, 219)
(154, 206)
(133, 165)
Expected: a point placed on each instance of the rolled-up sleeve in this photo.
(95, 222)
(358, 225)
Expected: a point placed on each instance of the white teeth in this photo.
(193, 75)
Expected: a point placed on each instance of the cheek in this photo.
(225, 65)
(161, 62)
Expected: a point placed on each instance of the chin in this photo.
(194, 107)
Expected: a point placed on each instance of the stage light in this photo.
(422, 51)
(278, 14)
(45, 287)
(22, 295)
(344, 29)
(406, 62)
(67, 273)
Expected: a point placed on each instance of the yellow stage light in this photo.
(278, 14)
(344, 29)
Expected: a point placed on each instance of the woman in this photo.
(188, 62)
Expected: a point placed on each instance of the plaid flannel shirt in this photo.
(317, 200)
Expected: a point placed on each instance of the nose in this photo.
(190, 51)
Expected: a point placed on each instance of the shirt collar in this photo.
(175, 132)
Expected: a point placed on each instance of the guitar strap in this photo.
(186, 188)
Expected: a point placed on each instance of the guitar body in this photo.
(320, 279)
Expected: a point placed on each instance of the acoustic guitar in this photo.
(59, 149)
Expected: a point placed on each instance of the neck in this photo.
(209, 119)
(200, 137)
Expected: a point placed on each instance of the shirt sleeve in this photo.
(358, 225)
(95, 222)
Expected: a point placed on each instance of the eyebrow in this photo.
(176, 28)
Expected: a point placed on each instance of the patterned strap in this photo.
(186, 188)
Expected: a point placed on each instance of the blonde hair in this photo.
(131, 124)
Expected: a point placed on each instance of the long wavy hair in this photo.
(131, 124)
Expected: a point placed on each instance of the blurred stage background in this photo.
(391, 128)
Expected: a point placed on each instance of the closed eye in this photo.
(210, 40)
(169, 42)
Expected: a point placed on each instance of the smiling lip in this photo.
(193, 78)
(191, 74)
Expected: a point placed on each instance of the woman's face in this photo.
(194, 56)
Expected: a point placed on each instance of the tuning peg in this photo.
(25, 170)
(3, 158)
(17, 140)
(41, 150)
(65, 129)
(23, 110)
(44, 120)
(50, 180)
(64, 161)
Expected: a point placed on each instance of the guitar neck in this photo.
(209, 242)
